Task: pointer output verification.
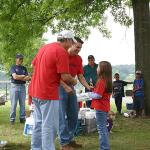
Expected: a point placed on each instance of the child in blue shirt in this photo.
(138, 94)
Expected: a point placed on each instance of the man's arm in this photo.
(18, 77)
(27, 78)
(21, 77)
(83, 81)
(67, 78)
(67, 88)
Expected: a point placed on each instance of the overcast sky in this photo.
(118, 50)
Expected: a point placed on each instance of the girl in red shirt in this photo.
(101, 101)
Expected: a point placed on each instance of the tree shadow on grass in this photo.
(14, 146)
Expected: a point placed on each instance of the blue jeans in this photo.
(88, 103)
(68, 116)
(101, 120)
(46, 119)
(17, 92)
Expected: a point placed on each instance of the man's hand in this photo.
(91, 88)
(27, 78)
(84, 83)
(66, 87)
(74, 81)
(69, 90)
(68, 79)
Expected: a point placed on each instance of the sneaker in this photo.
(22, 120)
(66, 147)
(75, 145)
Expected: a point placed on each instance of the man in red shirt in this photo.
(68, 108)
(50, 65)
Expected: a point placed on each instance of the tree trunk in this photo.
(141, 13)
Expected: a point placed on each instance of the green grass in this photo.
(128, 134)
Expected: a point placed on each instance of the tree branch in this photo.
(15, 11)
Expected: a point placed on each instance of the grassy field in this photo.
(128, 134)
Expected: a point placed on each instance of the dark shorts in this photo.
(138, 103)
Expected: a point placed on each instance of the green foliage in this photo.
(24, 21)
(119, 13)
(18, 31)
(126, 72)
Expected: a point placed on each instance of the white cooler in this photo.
(89, 119)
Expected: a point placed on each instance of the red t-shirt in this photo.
(75, 65)
(50, 61)
(102, 104)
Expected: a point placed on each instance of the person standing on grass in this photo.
(19, 76)
(138, 94)
(90, 74)
(101, 101)
(118, 91)
(68, 108)
(50, 65)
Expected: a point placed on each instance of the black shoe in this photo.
(22, 120)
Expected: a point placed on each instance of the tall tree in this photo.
(141, 12)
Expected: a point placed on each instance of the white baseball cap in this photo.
(66, 34)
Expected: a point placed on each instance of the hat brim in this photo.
(19, 57)
(74, 40)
